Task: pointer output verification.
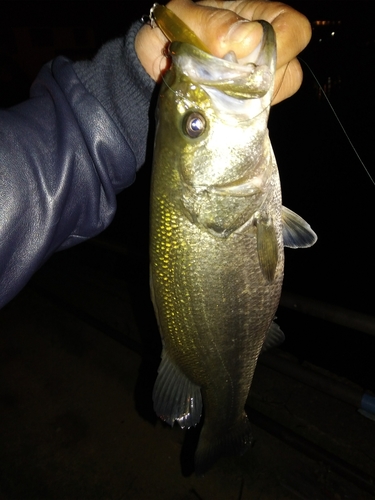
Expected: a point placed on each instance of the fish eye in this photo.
(194, 124)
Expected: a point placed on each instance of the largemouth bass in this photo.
(218, 231)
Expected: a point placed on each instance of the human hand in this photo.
(221, 27)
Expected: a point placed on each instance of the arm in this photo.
(65, 153)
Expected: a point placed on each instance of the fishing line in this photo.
(162, 73)
(338, 119)
(282, 81)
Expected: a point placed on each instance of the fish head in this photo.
(215, 112)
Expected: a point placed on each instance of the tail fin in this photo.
(234, 441)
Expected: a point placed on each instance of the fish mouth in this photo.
(250, 78)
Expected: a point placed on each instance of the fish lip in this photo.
(267, 51)
(251, 78)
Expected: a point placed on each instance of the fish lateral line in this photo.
(338, 120)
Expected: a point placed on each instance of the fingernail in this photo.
(240, 30)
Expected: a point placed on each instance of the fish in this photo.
(217, 236)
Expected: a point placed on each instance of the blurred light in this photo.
(326, 23)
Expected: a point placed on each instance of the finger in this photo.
(288, 80)
(149, 45)
(220, 29)
(293, 30)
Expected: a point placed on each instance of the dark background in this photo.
(322, 178)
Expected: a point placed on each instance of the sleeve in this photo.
(65, 154)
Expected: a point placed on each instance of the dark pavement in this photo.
(78, 357)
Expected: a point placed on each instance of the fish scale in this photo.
(217, 237)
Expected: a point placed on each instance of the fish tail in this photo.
(234, 441)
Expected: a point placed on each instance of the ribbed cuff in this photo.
(118, 80)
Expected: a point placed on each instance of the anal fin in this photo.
(175, 397)
(274, 337)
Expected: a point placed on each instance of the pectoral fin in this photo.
(175, 397)
(297, 233)
(267, 246)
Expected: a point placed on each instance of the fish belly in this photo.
(214, 308)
